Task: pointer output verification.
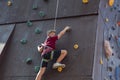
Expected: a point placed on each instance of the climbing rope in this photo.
(56, 13)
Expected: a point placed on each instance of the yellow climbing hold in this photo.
(85, 1)
(101, 61)
(60, 69)
(111, 2)
(9, 3)
(76, 46)
(106, 19)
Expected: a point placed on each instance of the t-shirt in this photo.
(51, 41)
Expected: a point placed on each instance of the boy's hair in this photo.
(50, 31)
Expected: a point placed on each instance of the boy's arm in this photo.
(63, 32)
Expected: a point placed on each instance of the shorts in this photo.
(49, 56)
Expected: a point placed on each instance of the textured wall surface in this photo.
(82, 18)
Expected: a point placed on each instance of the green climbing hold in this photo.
(23, 41)
(28, 60)
(37, 68)
(41, 14)
(29, 23)
(38, 31)
(34, 7)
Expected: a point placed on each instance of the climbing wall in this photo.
(108, 22)
(32, 18)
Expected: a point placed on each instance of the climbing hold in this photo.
(85, 1)
(28, 60)
(110, 76)
(110, 69)
(23, 41)
(106, 20)
(118, 23)
(38, 31)
(9, 3)
(101, 61)
(76, 46)
(111, 2)
(60, 69)
(37, 68)
(41, 14)
(113, 28)
(110, 37)
(29, 23)
(34, 7)
(115, 7)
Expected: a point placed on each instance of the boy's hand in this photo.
(67, 28)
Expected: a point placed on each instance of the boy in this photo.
(49, 52)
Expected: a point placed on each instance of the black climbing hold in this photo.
(115, 7)
(38, 31)
(34, 7)
(110, 69)
(23, 41)
(109, 38)
(112, 47)
(112, 62)
(41, 14)
(112, 54)
(113, 28)
(29, 23)
(28, 60)
(37, 68)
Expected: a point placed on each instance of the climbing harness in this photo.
(51, 57)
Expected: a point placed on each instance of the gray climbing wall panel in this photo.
(21, 10)
(79, 62)
(5, 33)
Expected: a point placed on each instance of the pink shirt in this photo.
(51, 41)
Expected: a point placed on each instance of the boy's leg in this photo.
(40, 73)
(62, 56)
(42, 70)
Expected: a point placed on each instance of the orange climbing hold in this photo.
(85, 1)
(118, 23)
(111, 2)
